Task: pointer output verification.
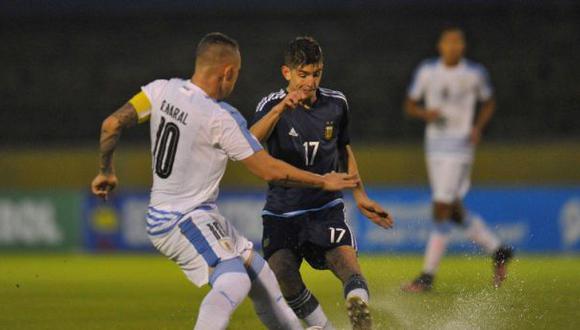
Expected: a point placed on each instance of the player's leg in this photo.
(281, 246)
(265, 292)
(444, 177)
(198, 245)
(230, 285)
(331, 244)
(343, 262)
(229, 279)
(270, 305)
(477, 231)
(286, 265)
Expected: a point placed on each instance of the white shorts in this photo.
(450, 177)
(199, 241)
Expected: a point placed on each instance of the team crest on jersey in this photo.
(329, 130)
(227, 244)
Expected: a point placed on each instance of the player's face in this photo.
(305, 78)
(232, 72)
(452, 46)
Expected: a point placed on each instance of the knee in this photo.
(231, 273)
(284, 265)
(458, 213)
(287, 271)
(256, 265)
(343, 262)
(442, 211)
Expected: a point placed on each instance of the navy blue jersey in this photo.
(309, 139)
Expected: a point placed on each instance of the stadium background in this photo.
(67, 65)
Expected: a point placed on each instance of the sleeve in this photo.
(149, 93)
(484, 87)
(416, 90)
(142, 105)
(230, 133)
(265, 105)
(343, 131)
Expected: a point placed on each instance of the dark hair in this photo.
(451, 28)
(215, 39)
(302, 51)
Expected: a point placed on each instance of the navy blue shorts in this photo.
(309, 235)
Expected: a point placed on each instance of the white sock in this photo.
(361, 293)
(269, 304)
(306, 307)
(356, 286)
(318, 318)
(229, 288)
(436, 247)
(478, 232)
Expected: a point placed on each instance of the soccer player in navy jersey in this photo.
(307, 126)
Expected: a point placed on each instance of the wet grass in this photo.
(70, 291)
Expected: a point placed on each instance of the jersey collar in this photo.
(459, 65)
(193, 86)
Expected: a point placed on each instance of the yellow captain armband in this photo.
(142, 105)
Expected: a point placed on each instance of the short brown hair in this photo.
(303, 51)
(215, 39)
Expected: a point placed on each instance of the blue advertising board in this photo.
(118, 224)
(532, 219)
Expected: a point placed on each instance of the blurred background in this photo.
(68, 64)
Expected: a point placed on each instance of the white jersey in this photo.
(192, 137)
(455, 92)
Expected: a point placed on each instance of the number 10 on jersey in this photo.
(165, 148)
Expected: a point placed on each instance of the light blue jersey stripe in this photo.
(235, 265)
(151, 208)
(153, 222)
(256, 266)
(196, 238)
(256, 146)
(162, 231)
(299, 212)
(152, 217)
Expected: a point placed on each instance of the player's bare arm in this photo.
(264, 127)
(483, 118)
(276, 171)
(370, 208)
(414, 110)
(111, 130)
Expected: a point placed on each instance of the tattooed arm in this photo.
(276, 171)
(111, 130)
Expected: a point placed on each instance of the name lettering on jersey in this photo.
(174, 112)
(329, 130)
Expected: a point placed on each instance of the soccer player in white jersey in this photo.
(450, 88)
(193, 133)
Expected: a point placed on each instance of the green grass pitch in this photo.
(76, 291)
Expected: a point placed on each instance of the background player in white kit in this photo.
(193, 133)
(451, 87)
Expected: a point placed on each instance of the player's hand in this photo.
(103, 184)
(375, 213)
(338, 181)
(432, 115)
(291, 101)
(475, 136)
